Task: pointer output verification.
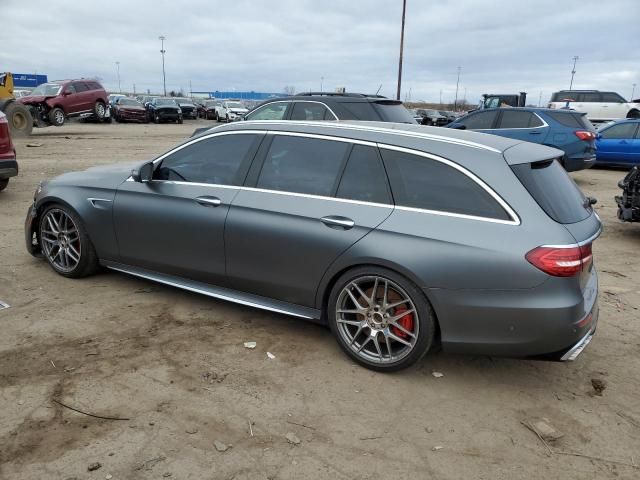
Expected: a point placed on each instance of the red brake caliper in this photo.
(406, 322)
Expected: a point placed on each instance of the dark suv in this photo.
(332, 106)
(51, 103)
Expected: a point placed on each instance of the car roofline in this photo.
(355, 125)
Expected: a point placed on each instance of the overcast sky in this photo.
(503, 46)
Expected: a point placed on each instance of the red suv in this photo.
(51, 103)
(8, 163)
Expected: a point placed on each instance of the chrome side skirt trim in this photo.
(221, 293)
(577, 348)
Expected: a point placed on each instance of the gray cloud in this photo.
(502, 46)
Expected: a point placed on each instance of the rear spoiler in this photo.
(530, 152)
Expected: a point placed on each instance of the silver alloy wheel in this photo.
(60, 240)
(369, 312)
(59, 116)
(100, 110)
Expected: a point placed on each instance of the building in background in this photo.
(28, 80)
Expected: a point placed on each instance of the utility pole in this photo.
(455, 102)
(321, 83)
(440, 98)
(633, 90)
(118, 71)
(404, 10)
(162, 38)
(573, 71)
(134, 88)
(190, 89)
(540, 98)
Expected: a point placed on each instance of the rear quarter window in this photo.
(553, 189)
(572, 120)
(428, 184)
(393, 112)
(358, 111)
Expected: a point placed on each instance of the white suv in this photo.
(599, 106)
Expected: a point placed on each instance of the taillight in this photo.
(561, 262)
(585, 135)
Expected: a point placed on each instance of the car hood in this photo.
(104, 177)
(131, 108)
(29, 99)
(187, 104)
(166, 107)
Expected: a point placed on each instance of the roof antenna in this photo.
(379, 88)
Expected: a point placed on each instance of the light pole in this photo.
(633, 90)
(573, 71)
(404, 10)
(455, 102)
(321, 83)
(162, 38)
(118, 71)
(440, 97)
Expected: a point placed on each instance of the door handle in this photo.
(209, 201)
(535, 132)
(336, 221)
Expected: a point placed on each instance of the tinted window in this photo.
(70, 88)
(567, 119)
(359, 111)
(610, 97)
(590, 97)
(564, 95)
(364, 178)
(310, 111)
(303, 165)
(479, 120)
(272, 111)
(81, 87)
(519, 119)
(624, 130)
(550, 186)
(424, 183)
(393, 112)
(221, 160)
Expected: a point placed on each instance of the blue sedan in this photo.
(619, 143)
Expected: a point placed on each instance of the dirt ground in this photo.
(173, 364)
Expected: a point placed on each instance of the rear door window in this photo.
(550, 186)
(364, 178)
(480, 120)
(622, 131)
(591, 97)
(428, 184)
(611, 97)
(303, 165)
(519, 119)
(311, 111)
(564, 96)
(80, 87)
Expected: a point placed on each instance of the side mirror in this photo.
(143, 174)
(65, 93)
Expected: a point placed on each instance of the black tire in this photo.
(156, 119)
(226, 118)
(88, 263)
(215, 116)
(3, 183)
(180, 120)
(56, 117)
(425, 314)
(634, 114)
(19, 118)
(99, 110)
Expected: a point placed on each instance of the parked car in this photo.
(145, 100)
(394, 237)
(450, 116)
(189, 109)
(52, 103)
(129, 110)
(229, 111)
(332, 106)
(618, 143)
(114, 97)
(161, 109)
(629, 201)
(209, 109)
(8, 162)
(599, 106)
(567, 130)
(432, 117)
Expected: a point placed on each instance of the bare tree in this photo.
(289, 90)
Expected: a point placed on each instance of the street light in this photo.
(404, 10)
(455, 102)
(573, 71)
(118, 71)
(321, 83)
(162, 38)
(633, 90)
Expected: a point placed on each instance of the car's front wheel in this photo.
(380, 319)
(56, 117)
(65, 243)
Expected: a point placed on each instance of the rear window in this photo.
(359, 111)
(572, 120)
(393, 112)
(556, 193)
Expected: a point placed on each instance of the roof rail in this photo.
(337, 94)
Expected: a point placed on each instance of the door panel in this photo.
(173, 227)
(279, 245)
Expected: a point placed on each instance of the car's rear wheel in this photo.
(380, 319)
(56, 117)
(634, 114)
(3, 183)
(65, 243)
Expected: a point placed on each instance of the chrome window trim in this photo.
(426, 136)
(579, 244)
(335, 117)
(515, 220)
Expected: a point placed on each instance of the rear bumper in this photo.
(579, 162)
(8, 168)
(554, 321)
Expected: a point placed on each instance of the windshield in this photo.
(182, 100)
(47, 89)
(234, 105)
(128, 101)
(164, 101)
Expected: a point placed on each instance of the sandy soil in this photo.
(173, 364)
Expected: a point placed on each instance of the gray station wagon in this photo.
(396, 236)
